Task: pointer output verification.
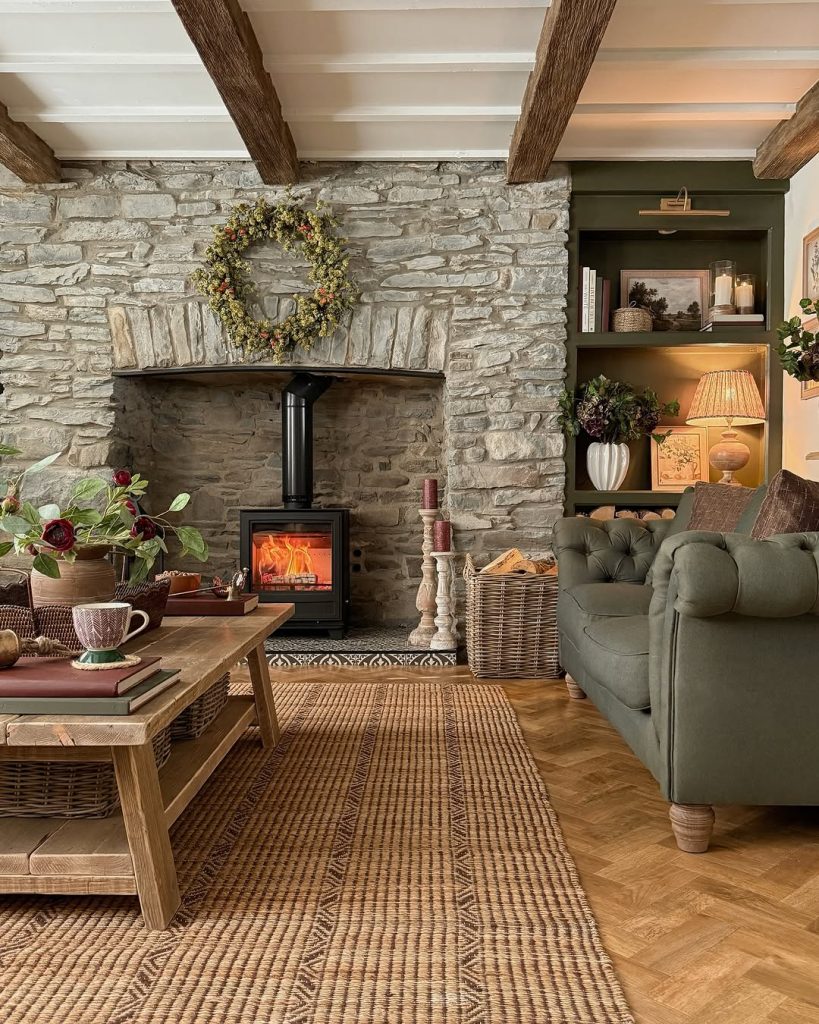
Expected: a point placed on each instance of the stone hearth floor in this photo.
(373, 646)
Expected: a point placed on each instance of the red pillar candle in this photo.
(441, 535)
(430, 494)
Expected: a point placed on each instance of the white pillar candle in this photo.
(745, 296)
(723, 286)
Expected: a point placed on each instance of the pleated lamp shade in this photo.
(726, 397)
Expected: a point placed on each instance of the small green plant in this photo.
(612, 412)
(52, 532)
(799, 348)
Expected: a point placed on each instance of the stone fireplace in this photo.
(449, 366)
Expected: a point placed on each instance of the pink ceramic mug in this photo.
(106, 625)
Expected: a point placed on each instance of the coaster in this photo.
(125, 661)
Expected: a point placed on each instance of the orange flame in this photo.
(282, 557)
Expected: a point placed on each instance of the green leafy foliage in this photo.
(225, 279)
(612, 412)
(52, 534)
(799, 347)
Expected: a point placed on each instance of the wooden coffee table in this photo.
(130, 852)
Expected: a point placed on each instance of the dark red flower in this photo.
(144, 527)
(58, 534)
(32, 550)
(131, 507)
(10, 505)
(122, 477)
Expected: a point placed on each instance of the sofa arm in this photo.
(591, 550)
(733, 631)
(718, 574)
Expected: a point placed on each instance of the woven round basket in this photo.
(511, 626)
(150, 597)
(627, 319)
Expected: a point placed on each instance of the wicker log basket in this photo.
(511, 629)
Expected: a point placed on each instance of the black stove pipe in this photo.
(297, 437)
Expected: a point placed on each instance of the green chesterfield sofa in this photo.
(710, 669)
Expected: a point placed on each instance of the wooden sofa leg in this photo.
(692, 825)
(574, 689)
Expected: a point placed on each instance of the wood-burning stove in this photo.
(298, 553)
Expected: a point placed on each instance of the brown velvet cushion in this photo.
(790, 506)
(718, 507)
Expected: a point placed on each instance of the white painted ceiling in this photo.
(407, 79)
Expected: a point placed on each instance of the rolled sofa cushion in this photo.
(790, 506)
(718, 507)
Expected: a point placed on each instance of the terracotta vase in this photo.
(89, 579)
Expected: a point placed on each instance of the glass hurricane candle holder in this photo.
(723, 280)
(744, 293)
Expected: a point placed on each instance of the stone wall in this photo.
(458, 272)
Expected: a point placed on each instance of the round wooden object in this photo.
(574, 689)
(89, 579)
(692, 825)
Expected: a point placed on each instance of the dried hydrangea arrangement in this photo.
(613, 412)
(225, 278)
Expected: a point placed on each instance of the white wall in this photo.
(801, 418)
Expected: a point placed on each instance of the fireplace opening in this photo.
(292, 556)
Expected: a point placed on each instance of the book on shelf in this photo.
(594, 301)
(54, 677)
(126, 704)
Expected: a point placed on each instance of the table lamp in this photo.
(723, 398)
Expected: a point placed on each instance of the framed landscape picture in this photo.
(681, 460)
(676, 299)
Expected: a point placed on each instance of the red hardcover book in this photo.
(54, 677)
(606, 305)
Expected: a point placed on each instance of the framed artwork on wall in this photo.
(681, 460)
(676, 299)
(810, 290)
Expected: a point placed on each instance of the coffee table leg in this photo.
(148, 840)
(263, 692)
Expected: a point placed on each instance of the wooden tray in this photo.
(207, 604)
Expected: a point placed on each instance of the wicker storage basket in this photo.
(193, 721)
(627, 319)
(63, 789)
(149, 597)
(51, 620)
(511, 630)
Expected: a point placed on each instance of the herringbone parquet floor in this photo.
(728, 937)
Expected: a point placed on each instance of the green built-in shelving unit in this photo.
(608, 234)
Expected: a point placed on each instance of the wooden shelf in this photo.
(63, 855)
(671, 339)
(638, 499)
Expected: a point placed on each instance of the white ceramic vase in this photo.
(607, 465)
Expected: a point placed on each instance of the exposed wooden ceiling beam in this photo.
(572, 32)
(25, 153)
(224, 37)
(793, 142)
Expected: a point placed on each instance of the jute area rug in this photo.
(394, 861)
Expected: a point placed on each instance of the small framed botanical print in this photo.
(681, 460)
(810, 266)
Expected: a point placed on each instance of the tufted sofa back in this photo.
(621, 550)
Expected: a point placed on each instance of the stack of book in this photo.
(726, 321)
(594, 302)
(50, 686)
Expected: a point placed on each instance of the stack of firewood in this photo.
(609, 512)
(513, 560)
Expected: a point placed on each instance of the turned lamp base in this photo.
(729, 455)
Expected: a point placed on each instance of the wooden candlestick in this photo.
(444, 639)
(425, 601)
